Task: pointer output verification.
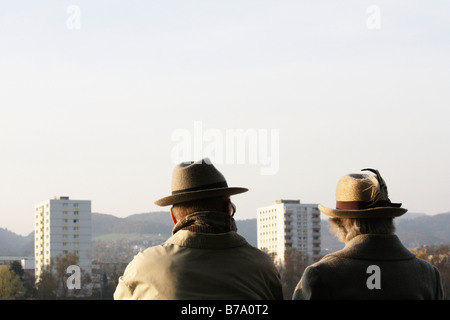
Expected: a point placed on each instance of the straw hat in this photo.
(363, 196)
(197, 180)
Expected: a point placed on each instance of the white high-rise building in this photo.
(289, 224)
(62, 226)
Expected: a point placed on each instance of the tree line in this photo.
(111, 261)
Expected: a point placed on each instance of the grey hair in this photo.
(347, 228)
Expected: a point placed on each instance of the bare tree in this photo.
(53, 279)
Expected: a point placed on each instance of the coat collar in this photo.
(206, 222)
(186, 238)
(374, 247)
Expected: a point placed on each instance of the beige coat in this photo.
(194, 265)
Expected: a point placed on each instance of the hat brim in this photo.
(379, 212)
(200, 194)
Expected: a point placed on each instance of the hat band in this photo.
(221, 184)
(360, 205)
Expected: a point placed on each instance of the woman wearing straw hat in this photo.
(373, 264)
(205, 258)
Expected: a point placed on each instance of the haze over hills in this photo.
(12, 244)
(413, 230)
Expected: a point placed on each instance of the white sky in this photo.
(89, 113)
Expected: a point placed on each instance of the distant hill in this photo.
(12, 244)
(154, 223)
(413, 230)
(247, 228)
(430, 230)
(142, 223)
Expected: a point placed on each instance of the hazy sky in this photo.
(93, 93)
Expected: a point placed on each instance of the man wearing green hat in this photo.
(205, 258)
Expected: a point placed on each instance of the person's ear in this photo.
(172, 215)
(231, 207)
